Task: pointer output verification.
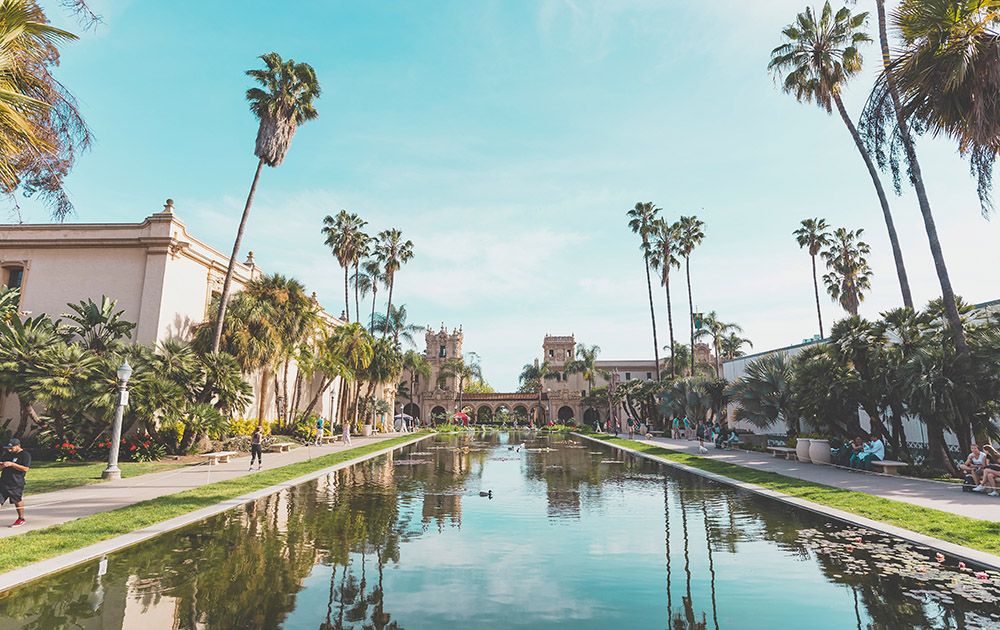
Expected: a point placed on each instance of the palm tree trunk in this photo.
(890, 226)
(652, 317)
(262, 404)
(388, 309)
(371, 323)
(687, 270)
(357, 308)
(916, 176)
(670, 327)
(228, 283)
(347, 300)
(819, 313)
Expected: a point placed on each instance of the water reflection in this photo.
(568, 539)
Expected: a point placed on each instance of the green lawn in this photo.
(961, 530)
(50, 476)
(18, 551)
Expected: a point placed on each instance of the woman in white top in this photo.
(974, 463)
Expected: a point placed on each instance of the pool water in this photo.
(574, 535)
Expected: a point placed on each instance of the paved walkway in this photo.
(939, 495)
(52, 508)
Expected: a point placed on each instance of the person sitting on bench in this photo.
(874, 451)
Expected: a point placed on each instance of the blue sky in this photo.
(507, 139)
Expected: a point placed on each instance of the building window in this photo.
(443, 351)
(583, 392)
(13, 276)
(628, 376)
(552, 353)
(649, 376)
(416, 379)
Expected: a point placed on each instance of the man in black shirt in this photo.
(13, 465)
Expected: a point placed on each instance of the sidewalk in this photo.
(938, 495)
(53, 508)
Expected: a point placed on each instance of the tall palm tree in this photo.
(642, 221)
(285, 101)
(816, 61)
(732, 345)
(463, 370)
(416, 365)
(814, 235)
(689, 235)
(534, 375)
(716, 329)
(354, 345)
(392, 252)
(663, 258)
(585, 364)
(850, 274)
(373, 269)
(347, 241)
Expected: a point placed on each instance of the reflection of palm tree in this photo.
(711, 562)
(666, 519)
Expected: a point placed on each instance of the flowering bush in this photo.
(246, 426)
(67, 451)
(138, 448)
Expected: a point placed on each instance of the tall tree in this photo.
(392, 252)
(463, 370)
(815, 62)
(416, 366)
(689, 235)
(663, 258)
(347, 241)
(642, 221)
(585, 364)
(716, 330)
(373, 269)
(814, 235)
(732, 345)
(284, 101)
(396, 325)
(849, 272)
(886, 110)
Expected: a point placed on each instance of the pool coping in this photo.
(43, 568)
(958, 551)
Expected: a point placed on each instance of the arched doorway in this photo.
(590, 416)
(484, 415)
(502, 415)
(565, 414)
(439, 415)
(521, 413)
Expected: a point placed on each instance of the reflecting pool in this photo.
(574, 535)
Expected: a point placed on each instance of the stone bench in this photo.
(783, 451)
(281, 447)
(329, 439)
(218, 457)
(888, 466)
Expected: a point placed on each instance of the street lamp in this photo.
(112, 471)
(548, 403)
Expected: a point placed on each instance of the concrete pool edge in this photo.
(958, 551)
(43, 568)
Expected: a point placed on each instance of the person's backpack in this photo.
(968, 484)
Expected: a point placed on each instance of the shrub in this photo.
(246, 426)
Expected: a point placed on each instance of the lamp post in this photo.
(548, 404)
(112, 471)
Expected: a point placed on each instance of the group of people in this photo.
(860, 453)
(983, 465)
(714, 432)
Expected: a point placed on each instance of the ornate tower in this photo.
(442, 346)
(558, 350)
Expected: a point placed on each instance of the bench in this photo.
(656, 433)
(782, 451)
(218, 457)
(329, 439)
(889, 466)
(281, 447)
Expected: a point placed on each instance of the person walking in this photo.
(15, 464)
(347, 432)
(320, 422)
(675, 428)
(256, 447)
(631, 427)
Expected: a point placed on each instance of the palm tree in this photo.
(642, 221)
(373, 269)
(680, 359)
(416, 365)
(396, 325)
(817, 59)
(348, 243)
(585, 364)
(284, 103)
(763, 394)
(354, 345)
(732, 346)
(464, 371)
(663, 259)
(392, 252)
(814, 235)
(850, 275)
(716, 329)
(689, 235)
(929, 41)
(534, 375)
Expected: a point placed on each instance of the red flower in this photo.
(132, 448)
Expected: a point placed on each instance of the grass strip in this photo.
(961, 530)
(51, 476)
(41, 544)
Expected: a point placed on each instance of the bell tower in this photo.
(558, 350)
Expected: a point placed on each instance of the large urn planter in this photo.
(366, 430)
(802, 449)
(819, 451)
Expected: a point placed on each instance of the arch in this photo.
(591, 415)
(565, 414)
(412, 409)
(484, 415)
(520, 412)
(438, 414)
